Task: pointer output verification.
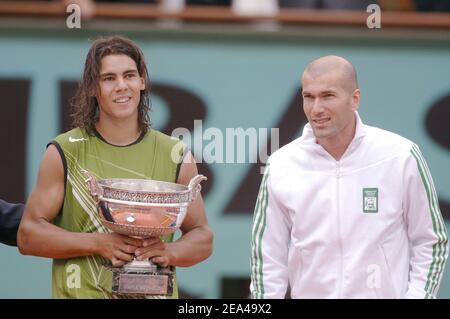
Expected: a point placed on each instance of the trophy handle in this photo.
(91, 183)
(195, 187)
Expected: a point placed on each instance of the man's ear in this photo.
(142, 83)
(356, 97)
(93, 92)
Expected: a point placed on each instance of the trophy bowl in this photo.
(142, 208)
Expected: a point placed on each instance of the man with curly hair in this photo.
(112, 138)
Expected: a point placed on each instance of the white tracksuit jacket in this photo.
(366, 226)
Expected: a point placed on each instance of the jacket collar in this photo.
(360, 132)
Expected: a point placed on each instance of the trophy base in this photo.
(138, 278)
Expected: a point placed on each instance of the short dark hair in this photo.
(84, 104)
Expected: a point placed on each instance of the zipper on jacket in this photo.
(341, 275)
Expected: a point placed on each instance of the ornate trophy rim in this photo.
(142, 192)
(115, 183)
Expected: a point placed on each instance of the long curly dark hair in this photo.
(85, 112)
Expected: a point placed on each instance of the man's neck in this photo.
(335, 149)
(337, 145)
(120, 134)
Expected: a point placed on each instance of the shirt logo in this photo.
(370, 200)
(73, 140)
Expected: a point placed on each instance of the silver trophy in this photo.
(142, 209)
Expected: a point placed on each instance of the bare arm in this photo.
(38, 236)
(195, 244)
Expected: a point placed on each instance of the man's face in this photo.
(328, 104)
(119, 87)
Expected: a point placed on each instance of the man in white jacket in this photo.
(346, 210)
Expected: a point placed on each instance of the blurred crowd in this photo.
(272, 7)
(409, 5)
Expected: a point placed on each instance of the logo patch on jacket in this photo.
(370, 200)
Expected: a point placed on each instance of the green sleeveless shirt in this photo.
(153, 156)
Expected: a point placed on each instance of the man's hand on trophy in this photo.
(119, 249)
(155, 250)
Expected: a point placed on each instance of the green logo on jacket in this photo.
(370, 200)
